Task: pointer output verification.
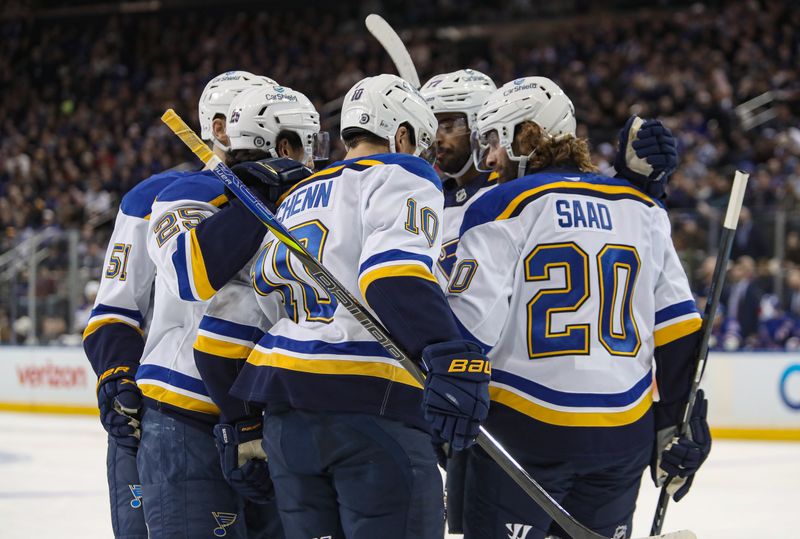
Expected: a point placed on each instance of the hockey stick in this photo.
(717, 281)
(374, 327)
(387, 37)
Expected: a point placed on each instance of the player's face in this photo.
(497, 159)
(452, 139)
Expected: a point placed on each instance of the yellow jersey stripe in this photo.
(97, 324)
(324, 172)
(369, 162)
(199, 275)
(176, 399)
(674, 332)
(333, 366)
(610, 189)
(571, 419)
(399, 270)
(221, 348)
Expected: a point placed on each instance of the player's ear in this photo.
(402, 140)
(283, 148)
(218, 128)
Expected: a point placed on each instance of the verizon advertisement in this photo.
(42, 377)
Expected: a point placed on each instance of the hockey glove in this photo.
(120, 402)
(647, 155)
(679, 457)
(243, 460)
(272, 177)
(455, 399)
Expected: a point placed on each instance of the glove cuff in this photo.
(455, 357)
(115, 373)
(248, 430)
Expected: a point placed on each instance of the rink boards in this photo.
(752, 395)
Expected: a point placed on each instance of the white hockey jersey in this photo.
(456, 201)
(114, 334)
(571, 281)
(167, 375)
(366, 220)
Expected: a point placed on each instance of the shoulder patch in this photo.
(138, 202)
(197, 186)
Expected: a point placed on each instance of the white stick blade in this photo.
(386, 36)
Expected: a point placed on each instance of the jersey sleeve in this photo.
(232, 326)
(175, 249)
(401, 212)
(677, 333)
(114, 335)
(482, 281)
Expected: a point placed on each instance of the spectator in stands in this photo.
(743, 296)
(748, 240)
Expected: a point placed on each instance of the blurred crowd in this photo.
(82, 97)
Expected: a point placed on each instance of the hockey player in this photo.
(114, 336)
(184, 490)
(349, 447)
(570, 282)
(455, 99)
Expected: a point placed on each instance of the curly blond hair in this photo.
(565, 150)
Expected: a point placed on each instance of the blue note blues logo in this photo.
(223, 521)
(136, 491)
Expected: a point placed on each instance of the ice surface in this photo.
(52, 484)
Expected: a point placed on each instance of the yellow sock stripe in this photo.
(674, 332)
(199, 275)
(333, 366)
(185, 133)
(97, 324)
(176, 399)
(571, 419)
(218, 347)
(611, 189)
(398, 270)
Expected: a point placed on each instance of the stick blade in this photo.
(682, 534)
(386, 36)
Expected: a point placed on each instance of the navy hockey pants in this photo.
(184, 492)
(354, 476)
(125, 493)
(601, 494)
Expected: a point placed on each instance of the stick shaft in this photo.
(710, 312)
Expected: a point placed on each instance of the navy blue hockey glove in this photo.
(270, 178)
(455, 399)
(243, 460)
(647, 155)
(120, 402)
(679, 457)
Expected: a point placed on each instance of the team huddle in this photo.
(542, 299)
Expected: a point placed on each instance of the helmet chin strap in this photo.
(464, 169)
(392, 148)
(523, 163)
(221, 146)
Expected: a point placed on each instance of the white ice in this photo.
(52, 484)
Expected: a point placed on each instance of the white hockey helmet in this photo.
(218, 94)
(380, 104)
(465, 91)
(535, 99)
(256, 117)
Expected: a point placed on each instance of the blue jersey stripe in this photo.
(411, 163)
(181, 271)
(231, 329)
(393, 255)
(583, 400)
(674, 311)
(348, 348)
(110, 309)
(173, 378)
